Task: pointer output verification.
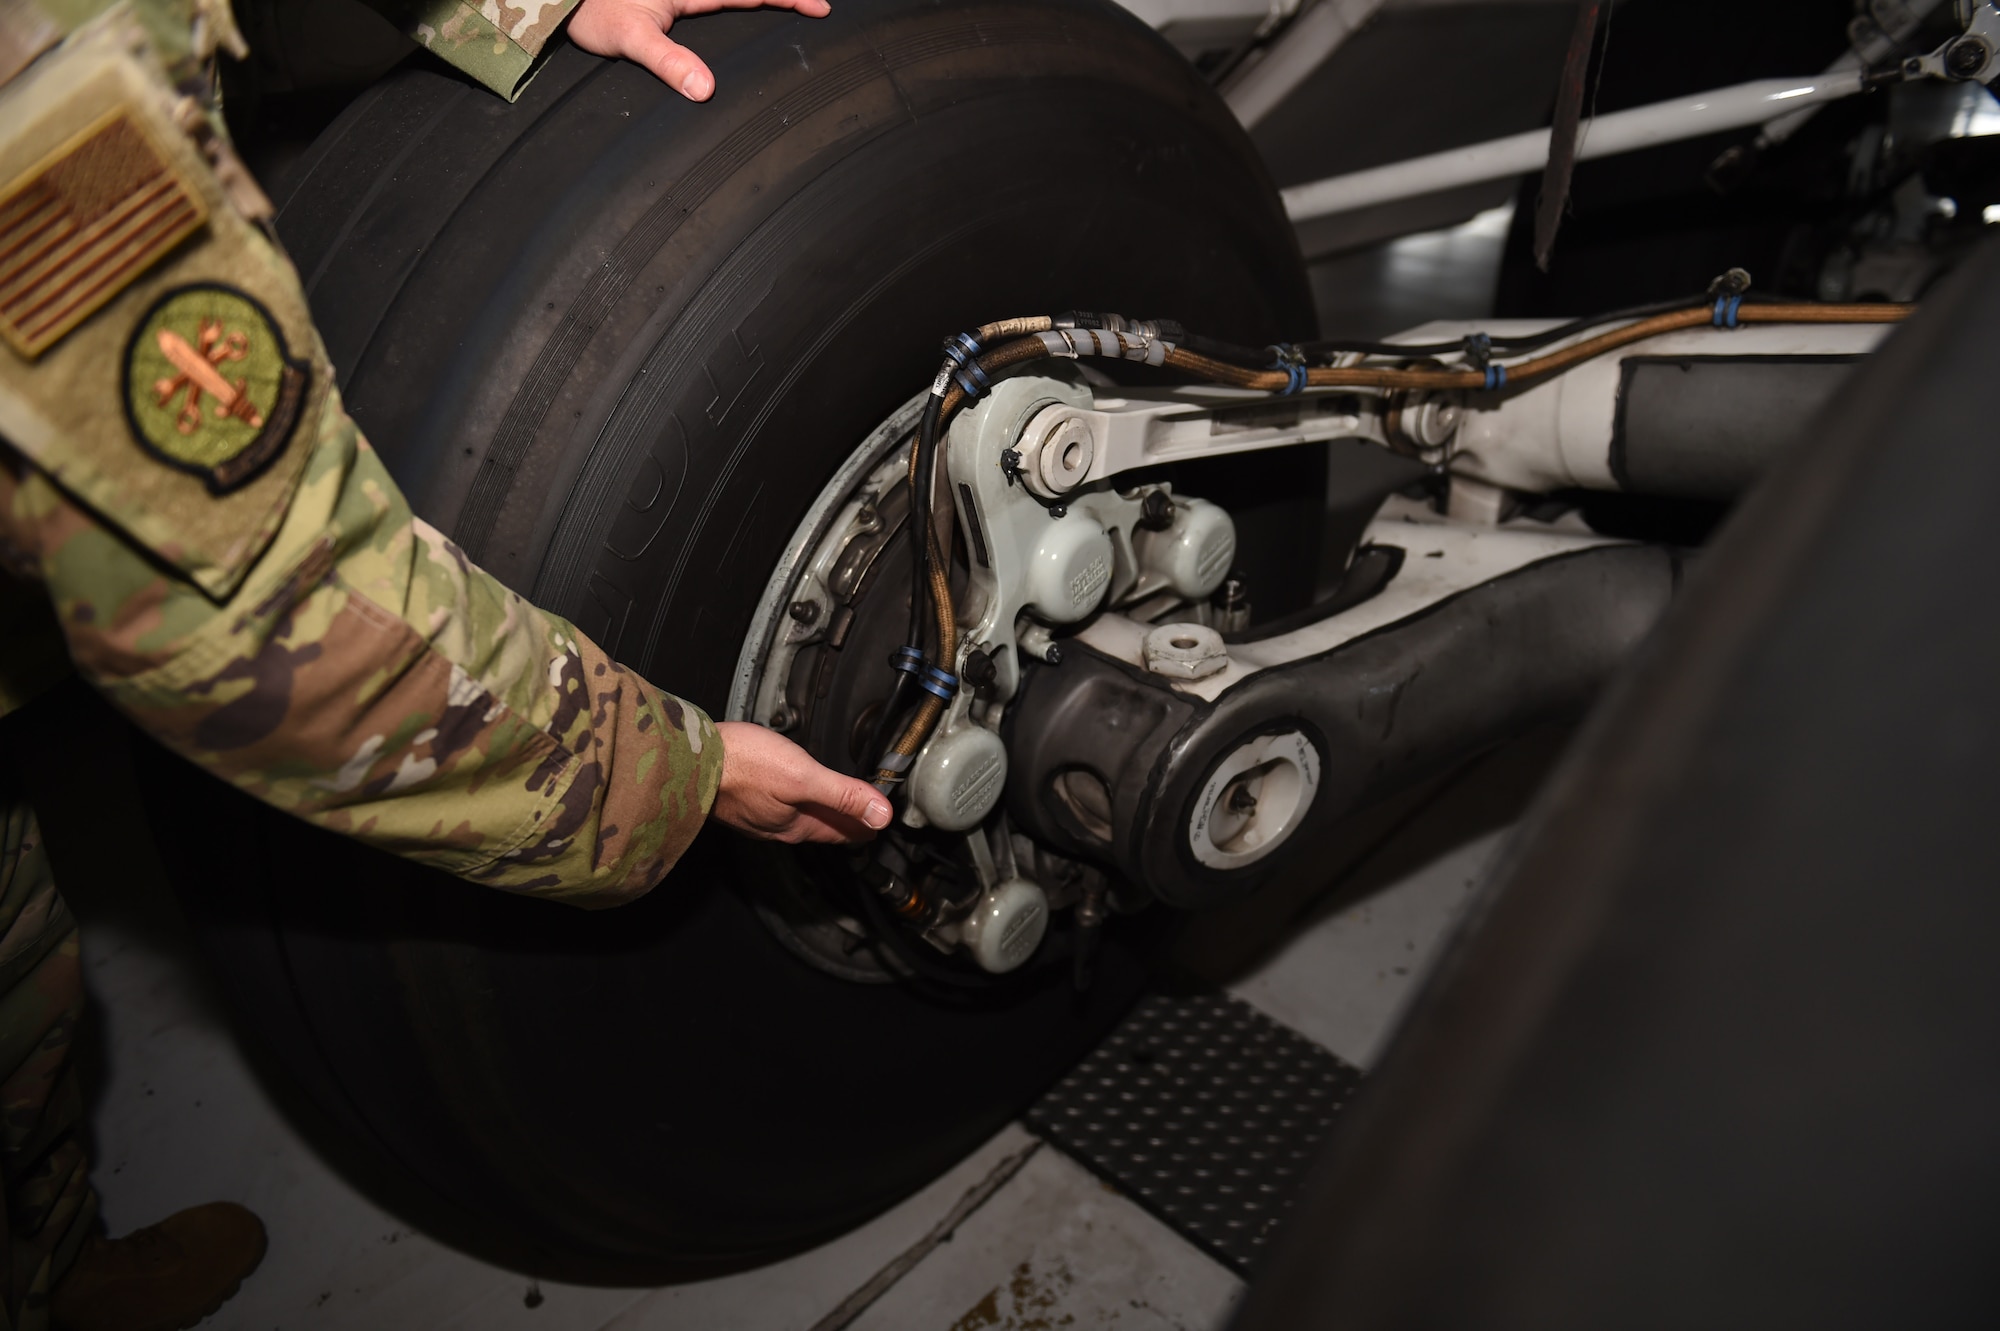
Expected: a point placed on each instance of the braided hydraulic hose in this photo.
(1362, 376)
(1039, 336)
(896, 762)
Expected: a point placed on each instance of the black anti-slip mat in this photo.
(1206, 1112)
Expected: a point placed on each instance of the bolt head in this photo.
(1966, 57)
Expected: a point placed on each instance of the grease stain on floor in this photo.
(1029, 1301)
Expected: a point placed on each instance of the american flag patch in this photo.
(79, 227)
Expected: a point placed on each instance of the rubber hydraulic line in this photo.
(1026, 348)
(1031, 348)
(932, 707)
(931, 582)
(924, 440)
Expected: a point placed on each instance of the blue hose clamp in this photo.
(961, 348)
(908, 660)
(1286, 357)
(940, 683)
(972, 379)
(1725, 311)
(1496, 376)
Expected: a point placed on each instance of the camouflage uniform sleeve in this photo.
(368, 677)
(498, 44)
(228, 560)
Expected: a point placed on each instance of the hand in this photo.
(636, 30)
(774, 790)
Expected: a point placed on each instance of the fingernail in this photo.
(878, 815)
(694, 87)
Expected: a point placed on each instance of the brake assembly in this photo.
(1084, 714)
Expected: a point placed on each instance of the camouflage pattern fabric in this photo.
(498, 44)
(47, 1207)
(294, 628)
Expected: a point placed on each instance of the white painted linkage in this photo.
(1604, 136)
(1291, 59)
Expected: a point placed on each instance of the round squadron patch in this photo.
(210, 386)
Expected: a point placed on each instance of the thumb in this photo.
(852, 798)
(674, 65)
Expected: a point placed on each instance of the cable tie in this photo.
(1496, 376)
(941, 683)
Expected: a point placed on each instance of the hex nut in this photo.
(1184, 651)
(1064, 456)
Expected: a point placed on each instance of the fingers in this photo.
(774, 789)
(850, 797)
(636, 30)
(810, 8)
(670, 62)
(830, 807)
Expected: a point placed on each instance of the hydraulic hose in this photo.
(1362, 376)
(931, 569)
(896, 762)
(1041, 336)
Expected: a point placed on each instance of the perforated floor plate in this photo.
(1204, 1110)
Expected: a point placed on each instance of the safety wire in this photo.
(969, 369)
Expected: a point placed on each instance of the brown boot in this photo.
(161, 1278)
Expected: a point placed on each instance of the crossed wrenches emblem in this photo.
(199, 373)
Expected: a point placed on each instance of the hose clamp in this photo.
(962, 348)
(939, 683)
(973, 380)
(1287, 357)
